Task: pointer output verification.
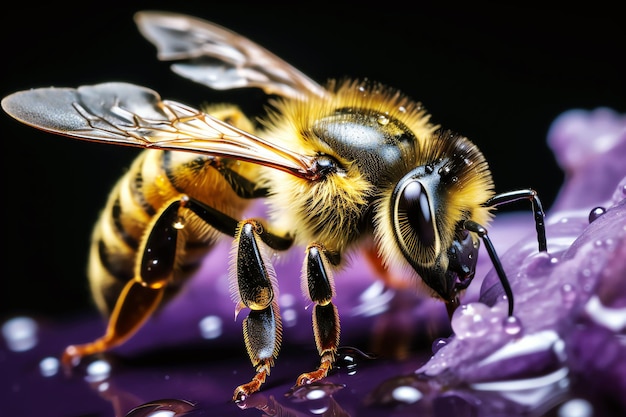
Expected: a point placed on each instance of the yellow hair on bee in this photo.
(468, 185)
(327, 209)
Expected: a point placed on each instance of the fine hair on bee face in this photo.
(351, 165)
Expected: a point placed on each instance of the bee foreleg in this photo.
(320, 289)
(141, 295)
(495, 260)
(254, 283)
(538, 212)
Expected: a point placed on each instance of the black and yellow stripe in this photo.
(155, 179)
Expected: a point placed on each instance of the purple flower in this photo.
(570, 303)
(564, 347)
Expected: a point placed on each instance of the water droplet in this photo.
(315, 394)
(438, 344)
(595, 213)
(383, 120)
(162, 408)
(407, 394)
(512, 325)
(576, 407)
(20, 333)
(314, 391)
(102, 386)
(402, 109)
(471, 320)
(349, 358)
(179, 223)
(49, 366)
(210, 327)
(568, 294)
(98, 370)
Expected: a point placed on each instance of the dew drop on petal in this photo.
(576, 407)
(568, 294)
(471, 320)
(20, 333)
(595, 213)
(438, 344)
(512, 325)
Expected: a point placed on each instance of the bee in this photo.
(351, 165)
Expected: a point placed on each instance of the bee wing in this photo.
(127, 114)
(220, 58)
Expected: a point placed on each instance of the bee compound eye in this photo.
(414, 206)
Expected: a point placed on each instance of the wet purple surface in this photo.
(563, 354)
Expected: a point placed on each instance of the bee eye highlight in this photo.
(414, 207)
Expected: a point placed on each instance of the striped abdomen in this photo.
(154, 179)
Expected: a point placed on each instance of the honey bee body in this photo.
(155, 178)
(352, 165)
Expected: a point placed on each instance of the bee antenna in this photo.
(482, 233)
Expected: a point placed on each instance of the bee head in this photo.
(424, 212)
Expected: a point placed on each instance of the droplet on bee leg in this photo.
(512, 325)
(179, 223)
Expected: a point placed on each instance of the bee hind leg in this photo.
(134, 305)
(141, 295)
(320, 289)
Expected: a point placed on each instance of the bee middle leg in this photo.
(320, 289)
(255, 289)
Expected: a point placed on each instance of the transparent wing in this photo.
(127, 114)
(219, 58)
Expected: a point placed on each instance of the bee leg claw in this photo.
(242, 392)
(71, 357)
(308, 378)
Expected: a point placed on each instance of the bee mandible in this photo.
(351, 165)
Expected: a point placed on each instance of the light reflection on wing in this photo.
(219, 58)
(127, 114)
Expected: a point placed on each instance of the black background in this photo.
(497, 75)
